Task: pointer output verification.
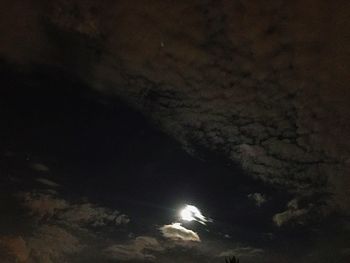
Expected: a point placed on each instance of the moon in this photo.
(191, 213)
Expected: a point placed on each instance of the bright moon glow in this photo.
(192, 213)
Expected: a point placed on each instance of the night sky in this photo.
(106, 143)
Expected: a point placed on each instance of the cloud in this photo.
(242, 252)
(60, 228)
(258, 198)
(42, 205)
(15, 247)
(45, 206)
(293, 213)
(47, 182)
(40, 167)
(177, 232)
(47, 245)
(90, 214)
(51, 243)
(140, 248)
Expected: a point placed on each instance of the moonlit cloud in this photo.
(192, 213)
(177, 232)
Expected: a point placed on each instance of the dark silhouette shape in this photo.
(233, 259)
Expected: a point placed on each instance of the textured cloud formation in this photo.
(141, 248)
(42, 205)
(177, 232)
(293, 213)
(47, 205)
(88, 213)
(258, 91)
(258, 198)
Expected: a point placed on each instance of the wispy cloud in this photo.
(47, 182)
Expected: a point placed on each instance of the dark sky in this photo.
(117, 118)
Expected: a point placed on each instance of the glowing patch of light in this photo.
(192, 213)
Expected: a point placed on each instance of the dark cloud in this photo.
(141, 248)
(47, 206)
(268, 104)
(51, 243)
(258, 198)
(43, 205)
(88, 213)
(15, 249)
(293, 213)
